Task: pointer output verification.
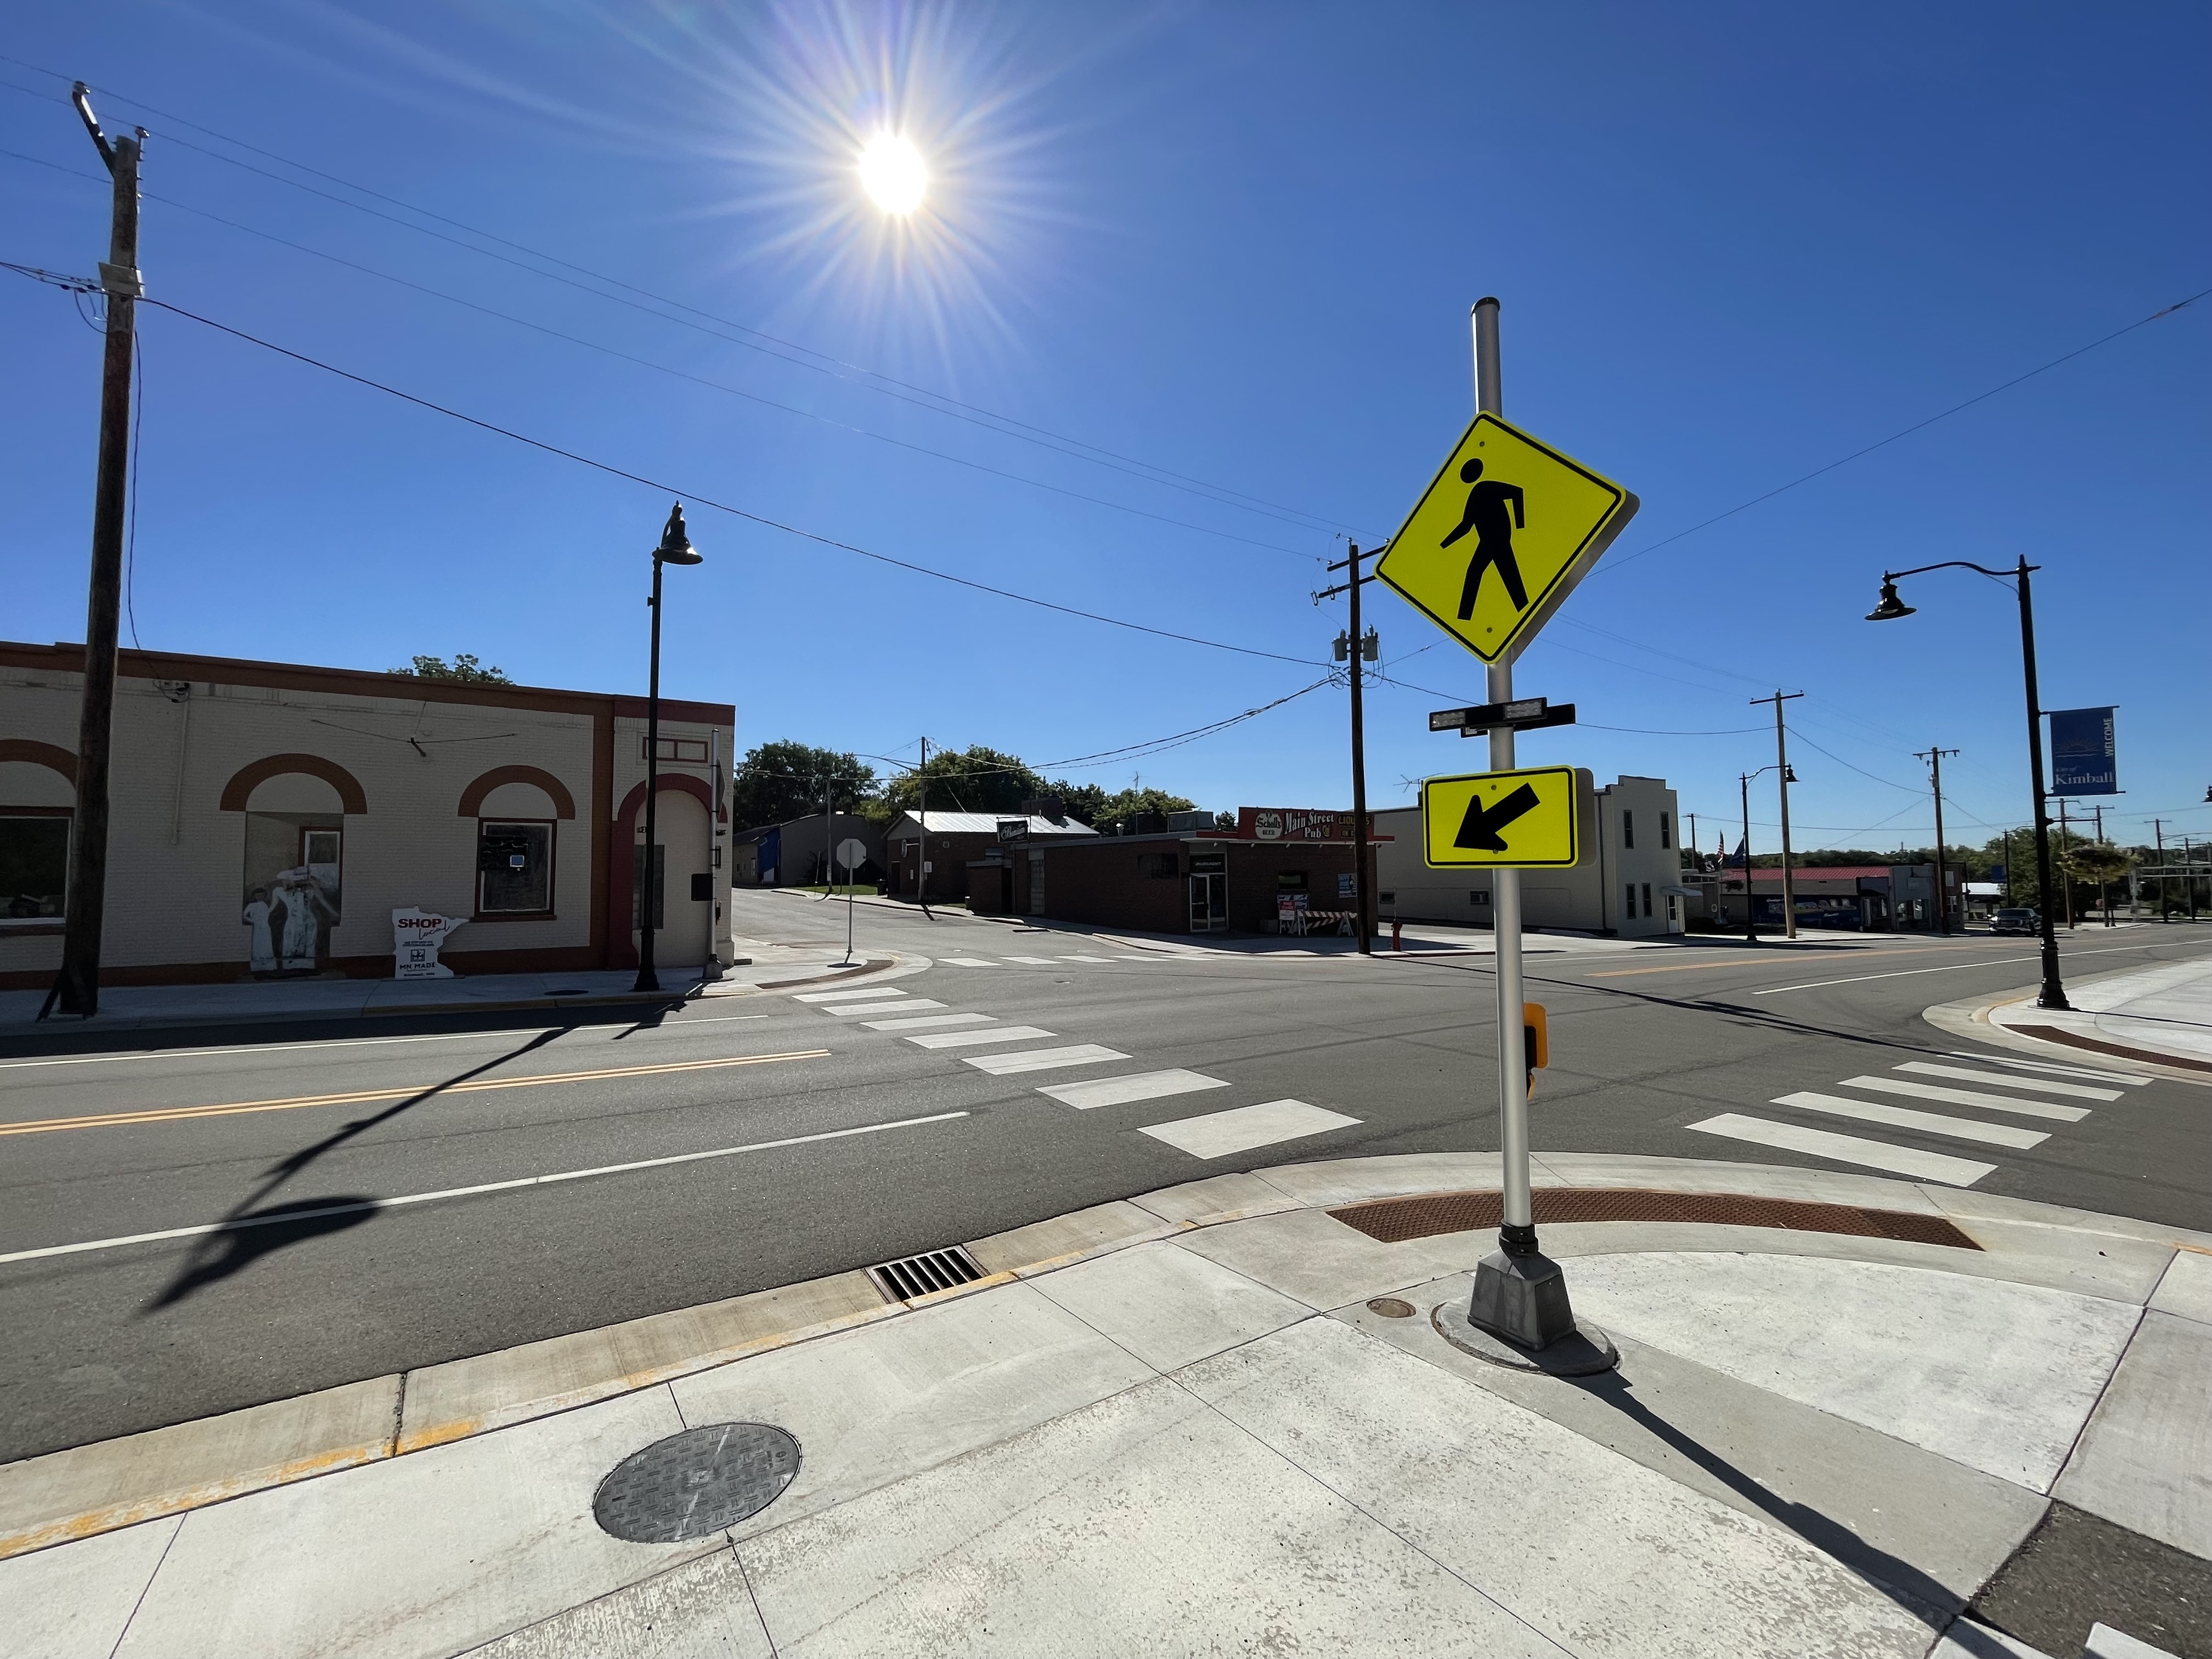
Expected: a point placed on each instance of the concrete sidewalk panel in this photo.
(2146, 1458)
(2000, 1377)
(1143, 1524)
(1169, 1307)
(413, 1557)
(72, 1602)
(1077, 1233)
(1923, 1524)
(487, 1391)
(2118, 1270)
(2186, 1291)
(115, 1483)
(872, 1405)
(1311, 1255)
(1963, 1205)
(1600, 1554)
(1217, 1198)
(700, 1610)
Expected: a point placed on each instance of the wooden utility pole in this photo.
(1935, 759)
(78, 987)
(1363, 897)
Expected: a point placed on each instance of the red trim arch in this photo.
(54, 757)
(472, 797)
(621, 879)
(240, 788)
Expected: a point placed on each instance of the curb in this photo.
(84, 1490)
(519, 1004)
(1974, 1019)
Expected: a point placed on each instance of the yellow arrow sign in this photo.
(1502, 537)
(1507, 820)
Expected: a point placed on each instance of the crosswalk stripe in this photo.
(1140, 1085)
(847, 996)
(1904, 1117)
(1034, 962)
(927, 1022)
(968, 961)
(1043, 1060)
(850, 1008)
(1846, 1148)
(1131, 958)
(1898, 1086)
(1242, 1128)
(2048, 1086)
(1001, 1034)
(2131, 1081)
(1086, 958)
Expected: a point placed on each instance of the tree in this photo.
(464, 668)
(2098, 862)
(977, 779)
(783, 781)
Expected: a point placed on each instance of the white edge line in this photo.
(376, 1203)
(1952, 968)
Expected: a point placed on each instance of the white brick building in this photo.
(328, 797)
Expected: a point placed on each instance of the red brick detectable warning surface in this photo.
(1395, 1220)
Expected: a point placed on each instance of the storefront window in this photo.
(514, 867)
(33, 866)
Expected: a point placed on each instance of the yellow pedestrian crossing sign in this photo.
(1501, 537)
(1505, 820)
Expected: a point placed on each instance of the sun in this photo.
(893, 173)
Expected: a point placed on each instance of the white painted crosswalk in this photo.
(1208, 1135)
(1041, 1059)
(1124, 1090)
(2015, 1088)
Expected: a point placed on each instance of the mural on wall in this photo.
(290, 912)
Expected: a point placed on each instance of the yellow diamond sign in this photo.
(1505, 820)
(1501, 537)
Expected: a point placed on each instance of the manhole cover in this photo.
(1391, 1307)
(696, 1482)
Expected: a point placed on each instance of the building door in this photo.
(1209, 902)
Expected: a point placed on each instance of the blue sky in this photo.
(1235, 243)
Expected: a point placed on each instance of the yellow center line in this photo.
(178, 1113)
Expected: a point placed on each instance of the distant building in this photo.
(1870, 897)
(268, 818)
(1628, 882)
(942, 845)
(792, 853)
(1280, 871)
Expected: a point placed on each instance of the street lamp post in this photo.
(675, 549)
(2053, 993)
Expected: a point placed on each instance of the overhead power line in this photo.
(663, 368)
(1906, 432)
(874, 381)
(710, 501)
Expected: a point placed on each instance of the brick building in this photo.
(270, 817)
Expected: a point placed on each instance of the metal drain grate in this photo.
(1394, 1220)
(912, 1276)
(696, 1482)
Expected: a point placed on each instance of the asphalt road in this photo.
(835, 1144)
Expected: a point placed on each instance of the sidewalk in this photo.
(142, 1007)
(1853, 1416)
(2159, 1016)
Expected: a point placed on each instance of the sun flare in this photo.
(893, 173)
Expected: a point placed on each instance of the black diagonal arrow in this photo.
(1477, 832)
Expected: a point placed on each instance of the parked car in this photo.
(2012, 920)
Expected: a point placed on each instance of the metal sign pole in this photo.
(1518, 1234)
(1520, 1303)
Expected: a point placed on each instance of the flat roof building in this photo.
(270, 817)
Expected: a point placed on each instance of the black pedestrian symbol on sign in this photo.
(1478, 831)
(1493, 513)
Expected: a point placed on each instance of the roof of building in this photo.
(987, 823)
